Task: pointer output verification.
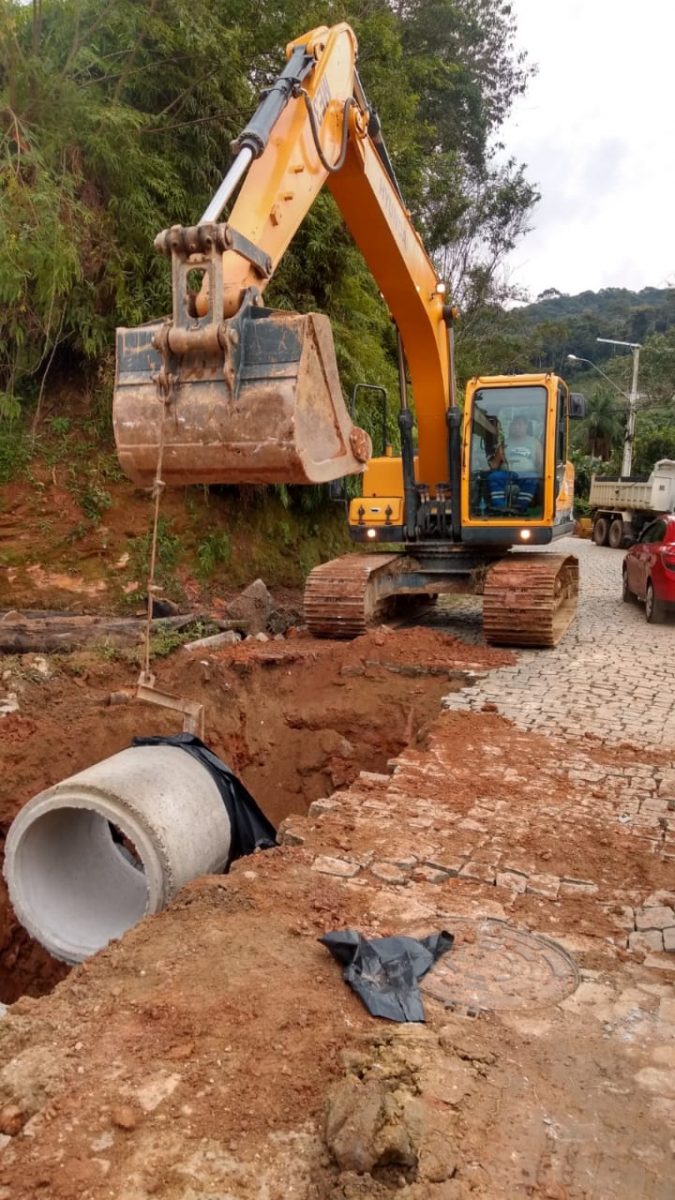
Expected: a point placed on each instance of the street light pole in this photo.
(635, 348)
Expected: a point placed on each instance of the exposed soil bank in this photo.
(294, 719)
(216, 1051)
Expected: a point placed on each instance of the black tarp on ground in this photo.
(384, 971)
(250, 828)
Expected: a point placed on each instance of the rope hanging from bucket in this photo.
(165, 382)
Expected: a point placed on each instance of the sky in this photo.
(596, 129)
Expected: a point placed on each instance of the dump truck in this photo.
(620, 508)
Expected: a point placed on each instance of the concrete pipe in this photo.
(88, 858)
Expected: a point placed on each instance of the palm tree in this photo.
(604, 424)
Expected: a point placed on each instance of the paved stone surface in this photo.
(612, 673)
(559, 836)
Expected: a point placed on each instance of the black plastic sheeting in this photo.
(384, 971)
(250, 829)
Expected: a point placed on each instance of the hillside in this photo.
(560, 324)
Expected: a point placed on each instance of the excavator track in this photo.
(530, 599)
(343, 596)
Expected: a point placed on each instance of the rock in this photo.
(35, 1075)
(12, 1120)
(655, 918)
(353, 1117)
(515, 883)
(651, 939)
(547, 886)
(366, 1127)
(449, 864)
(9, 705)
(575, 888)
(165, 608)
(429, 875)
(484, 872)
(318, 807)
(388, 873)
(669, 940)
(261, 637)
(657, 899)
(335, 866)
(252, 607)
(287, 836)
(124, 1117)
(39, 663)
(438, 1157)
(229, 637)
(280, 621)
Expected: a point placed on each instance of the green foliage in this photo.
(654, 438)
(602, 430)
(115, 121)
(212, 552)
(14, 450)
(168, 554)
(585, 466)
(94, 500)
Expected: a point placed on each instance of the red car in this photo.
(649, 569)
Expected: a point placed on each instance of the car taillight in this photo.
(668, 557)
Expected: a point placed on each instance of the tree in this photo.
(602, 430)
(116, 119)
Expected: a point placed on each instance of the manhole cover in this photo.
(494, 966)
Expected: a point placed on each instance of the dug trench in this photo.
(295, 719)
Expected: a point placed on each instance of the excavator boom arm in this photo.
(247, 395)
(283, 182)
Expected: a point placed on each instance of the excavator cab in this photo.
(255, 398)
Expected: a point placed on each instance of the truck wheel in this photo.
(600, 531)
(654, 610)
(615, 535)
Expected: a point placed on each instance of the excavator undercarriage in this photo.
(529, 599)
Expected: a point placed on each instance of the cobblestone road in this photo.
(612, 673)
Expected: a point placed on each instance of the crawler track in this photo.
(342, 596)
(530, 599)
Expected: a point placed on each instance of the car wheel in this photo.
(653, 607)
(600, 531)
(615, 535)
(626, 594)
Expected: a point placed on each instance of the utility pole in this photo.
(635, 348)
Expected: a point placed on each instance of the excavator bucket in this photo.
(252, 399)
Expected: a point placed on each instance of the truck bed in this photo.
(614, 493)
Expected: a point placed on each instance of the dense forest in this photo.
(116, 119)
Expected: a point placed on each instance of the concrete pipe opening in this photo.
(88, 858)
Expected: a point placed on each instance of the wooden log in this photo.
(44, 635)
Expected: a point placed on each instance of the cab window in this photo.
(508, 431)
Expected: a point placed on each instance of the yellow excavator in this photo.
(229, 391)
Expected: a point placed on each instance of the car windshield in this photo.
(507, 452)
